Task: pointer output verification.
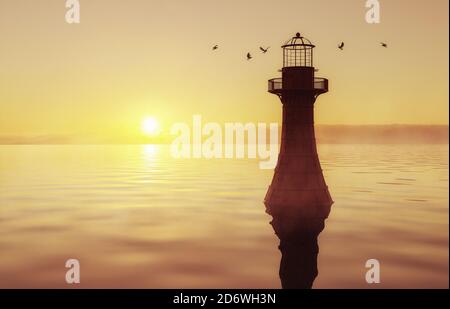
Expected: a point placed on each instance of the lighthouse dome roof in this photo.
(298, 42)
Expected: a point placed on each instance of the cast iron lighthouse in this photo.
(298, 198)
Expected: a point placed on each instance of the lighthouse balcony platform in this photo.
(319, 86)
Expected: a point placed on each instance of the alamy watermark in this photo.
(374, 272)
(373, 15)
(73, 11)
(73, 274)
(234, 140)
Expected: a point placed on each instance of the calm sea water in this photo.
(135, 217)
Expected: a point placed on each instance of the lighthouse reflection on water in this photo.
(298, 198)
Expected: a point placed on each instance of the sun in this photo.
(150, 126)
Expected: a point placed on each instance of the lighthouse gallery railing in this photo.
(320, 85)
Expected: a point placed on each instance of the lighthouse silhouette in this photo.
(298, 198)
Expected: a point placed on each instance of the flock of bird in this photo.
(341, 46)
(265, 50)
(249, 56)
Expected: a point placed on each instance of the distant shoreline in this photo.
(382, 134)
(325, 134)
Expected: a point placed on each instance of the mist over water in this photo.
(135, 217)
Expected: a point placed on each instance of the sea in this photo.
(134, 217)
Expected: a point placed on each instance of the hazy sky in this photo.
(134, 58)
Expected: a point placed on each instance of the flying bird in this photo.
(341, 46)
(383, 44)
(249, 56)
(264, 50)
(215, 47)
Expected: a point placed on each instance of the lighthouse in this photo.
(298, 198)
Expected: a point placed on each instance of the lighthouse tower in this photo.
(298, 198)
(298, 185)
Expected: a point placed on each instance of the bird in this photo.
(341, 46)
(249, 56)
(264, 50)
(384, 44)
(215, 47)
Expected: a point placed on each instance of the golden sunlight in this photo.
(151, 126)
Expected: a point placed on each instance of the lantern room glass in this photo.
(298, 52)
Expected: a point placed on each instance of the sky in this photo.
(130, 60)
